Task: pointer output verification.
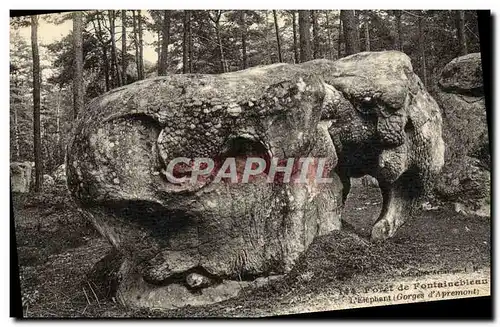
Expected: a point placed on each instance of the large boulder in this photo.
(232, 233)
(189, 234)
(466, 176)
(20, 176)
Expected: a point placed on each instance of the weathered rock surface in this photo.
(197, 243)
(48, 180)
(369, 181)
(20, 176)
(365, 181)
(60, 174)
(463, 75)
(465, 178)
(385, 125)
(229, 232)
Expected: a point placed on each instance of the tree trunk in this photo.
(104, 52)
(190, 44)
(78, 72)
(124, 47)
(136, 44)
(221, 50)
(16, 123)
(329, 35)
(461, 39)
(268, 38)
(314, 20)
(305, 35)
(339, 50)
(356, 15)
(16, 135)
(141, 45)
(422, 49)
(399, 42)
(158, 52)
(243, 27)
(185, 41)
(216, 21)
(37, 146)
(112, 75)
(295, 46)
(351, 31)
(165, 41)
(114, 52)
(277, 35)
(58, 119)
(367, 35)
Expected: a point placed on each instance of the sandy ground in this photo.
(438, 255)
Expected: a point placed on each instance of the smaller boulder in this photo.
(48, 180)
(369, 181)
(20, 176)
(466, 183)
(60, 174)
(463, 75)
(465, 179)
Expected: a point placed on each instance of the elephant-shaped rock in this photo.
(188, 239)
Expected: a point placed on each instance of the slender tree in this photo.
(398, 42)
(165, 41)
(243, 31)
(104, 48)
(421, 40)
(58, 118)
(15, 98)
(107, 44)
(461, 38)
(328, 34)
(16, 135)
(114, 52)
(124, 47)
(358, 30)
(141, 45)
(351, 31)
(78, 70)
(340, 37)
(315, 31)
(216, 20)
(367, 34)
(37, 145)
(185, 57)
(158, 51)
(190, 42)
(305, 35)
(295, 45)
(276, 27)
(136, 44)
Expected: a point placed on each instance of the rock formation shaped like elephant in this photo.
(199, 242)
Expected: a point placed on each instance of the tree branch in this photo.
(477, 37)
(412, 14)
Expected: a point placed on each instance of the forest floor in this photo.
(57, 249)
